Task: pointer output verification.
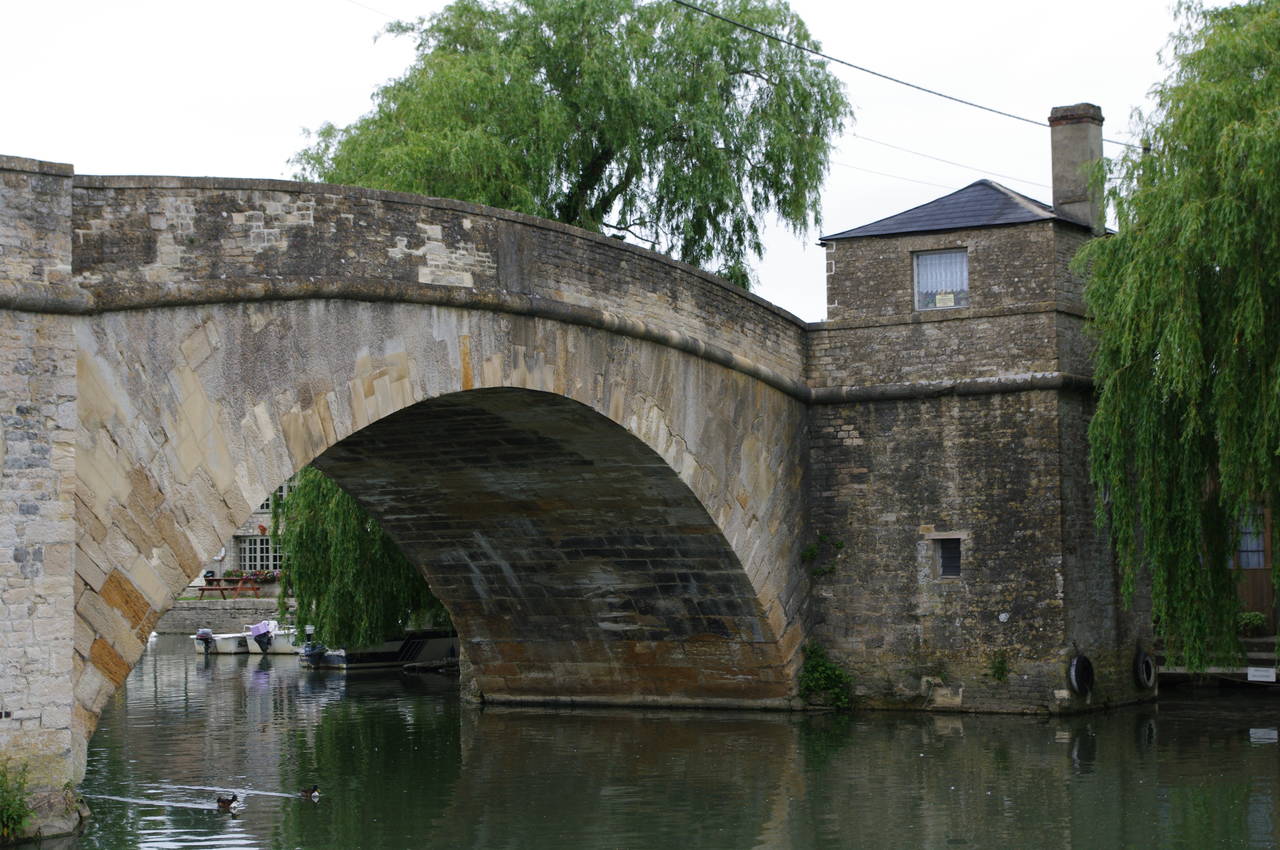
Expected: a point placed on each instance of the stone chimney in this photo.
(1076, 136)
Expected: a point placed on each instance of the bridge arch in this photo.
(214, 361)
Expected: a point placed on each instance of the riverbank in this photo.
(221, 615)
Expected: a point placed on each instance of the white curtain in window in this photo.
(942, 271)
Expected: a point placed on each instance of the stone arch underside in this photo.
(574, 562)
(189, 416)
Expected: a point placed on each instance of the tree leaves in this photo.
(350, 579)
(1185, 301)
(647, 120)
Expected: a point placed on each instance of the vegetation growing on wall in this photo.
(822, 681)
(350, 579)
(1185, 444)
(646, 120)
(15, 811)
(999, 669)
(821, 557)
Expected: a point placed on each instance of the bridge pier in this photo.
(38, 722)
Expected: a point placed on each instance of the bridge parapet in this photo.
(153, 241)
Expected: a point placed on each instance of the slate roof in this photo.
(981, 204)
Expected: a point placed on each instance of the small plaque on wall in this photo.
(1262, 674)
(944, 299)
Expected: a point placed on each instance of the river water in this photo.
(401, 764)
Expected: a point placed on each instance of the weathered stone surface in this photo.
(607, 464)
(969, 424)
(37, 479)
(221, 615)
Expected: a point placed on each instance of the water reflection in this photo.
(400, 763)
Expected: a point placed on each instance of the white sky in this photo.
(224, 89)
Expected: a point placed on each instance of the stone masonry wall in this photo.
(221, 615)
(891, 477)
(37, 482)
(967, 423)
(184, 238)
(1021, 319)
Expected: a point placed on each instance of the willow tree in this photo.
(642, 119)
(1185, 300)
(350, 579)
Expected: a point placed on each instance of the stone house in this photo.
(249, 549)
(958, 565)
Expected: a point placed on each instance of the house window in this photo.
(942, 279)
(949, 557)
(256, 553)
(1251, 554)
(280, 493)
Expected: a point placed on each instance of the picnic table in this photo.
(235, 585)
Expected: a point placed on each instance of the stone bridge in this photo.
(593, 453)
(629, 482)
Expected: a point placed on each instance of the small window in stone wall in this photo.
(280, 493)
(255, 553)
(949, 557)
(942, 279)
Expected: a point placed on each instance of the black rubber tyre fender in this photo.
(1144, 669)
(1080, 675)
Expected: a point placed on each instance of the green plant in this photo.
(822, 681)
(349, 577)
(999, 666)
(618, 116)
(1183, 311)
(1251, 623)
(819, 556)
(15, 811)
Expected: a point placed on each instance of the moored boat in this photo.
(267, 637)
(421, 645)
(228, 643)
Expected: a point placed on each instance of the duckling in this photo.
(312, 793)
(229, 804)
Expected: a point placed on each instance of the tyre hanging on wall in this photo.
(1080, 675)
(1144, 669)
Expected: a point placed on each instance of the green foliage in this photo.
(349, 577)
(15, 810)
(823, 681)
(820, 556)
(999, 666)
(1186, 306)
(1251, 623)
(645, 119)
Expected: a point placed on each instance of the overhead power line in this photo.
(873, 73)
(950, 162)
(371, 9)
(894, 176)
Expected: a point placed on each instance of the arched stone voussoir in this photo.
(192, 415)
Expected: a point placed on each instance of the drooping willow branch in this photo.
(350, 579)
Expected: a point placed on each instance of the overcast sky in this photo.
(225, 89)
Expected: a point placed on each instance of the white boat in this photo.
(230, 643)
(268, 638)
(418, 646)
